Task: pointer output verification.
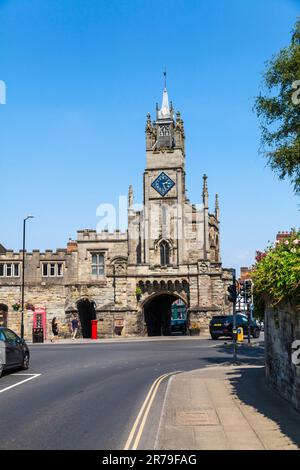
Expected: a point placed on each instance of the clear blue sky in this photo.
(81, 76)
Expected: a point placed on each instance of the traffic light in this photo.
(242, 289)
(232, 293)
(248, 290)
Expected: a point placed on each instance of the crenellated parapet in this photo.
(11, 255)
(88, 235)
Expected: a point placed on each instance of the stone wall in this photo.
(282, 328)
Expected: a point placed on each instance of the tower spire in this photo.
(164, 112)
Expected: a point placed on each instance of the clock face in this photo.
(162, 184)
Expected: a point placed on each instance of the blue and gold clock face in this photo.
(162, 184)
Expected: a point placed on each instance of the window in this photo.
(52, 269)
(59, 269)
(11, 336)
(45, 269)
(97, 264)
(16, 270)
(164, 253)
(9, 269)
(164, 131)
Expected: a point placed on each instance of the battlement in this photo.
(104, 235)
(11, 255)
(283, 235)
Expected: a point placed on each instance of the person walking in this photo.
(54, 326)
(74, 327)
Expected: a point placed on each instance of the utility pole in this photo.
(248, 295)
(114, 282)
(234, 323)
(232, 289)
(23, 275)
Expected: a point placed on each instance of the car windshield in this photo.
(222, 319)
(229, 318)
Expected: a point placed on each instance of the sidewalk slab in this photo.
(226, 408)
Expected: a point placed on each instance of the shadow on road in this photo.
(250, 386)
(247, 355)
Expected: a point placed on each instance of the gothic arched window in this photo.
(164, 253)
(164, 131)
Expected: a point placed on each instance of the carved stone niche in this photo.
(118, 267)
(203, 267)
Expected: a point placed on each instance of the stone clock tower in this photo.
(164, 187)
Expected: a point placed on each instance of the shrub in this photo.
(276, 274)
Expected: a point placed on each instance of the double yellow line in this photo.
(139, 424)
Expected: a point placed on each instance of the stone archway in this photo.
(87, 312)
(157, 313)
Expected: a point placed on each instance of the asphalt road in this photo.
(88, 395)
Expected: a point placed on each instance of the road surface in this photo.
(88, 396)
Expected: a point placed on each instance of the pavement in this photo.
(226, 408)
(122, 339)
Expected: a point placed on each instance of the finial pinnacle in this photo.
(165, 77)
(205, 190)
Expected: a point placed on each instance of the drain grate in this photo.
(197, 417)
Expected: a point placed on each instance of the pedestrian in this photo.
(54, 326)
(74, 327)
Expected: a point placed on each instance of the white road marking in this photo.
(32, 376)
(140, 421)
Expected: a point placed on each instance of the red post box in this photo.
(94, 329)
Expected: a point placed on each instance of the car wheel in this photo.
(25, 363)
(256, 334)
(1, 369)
(214, 336)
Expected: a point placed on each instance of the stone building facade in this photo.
(128, 281)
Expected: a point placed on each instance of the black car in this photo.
(223, 326)
(14, 352)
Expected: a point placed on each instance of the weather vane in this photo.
(165, 76)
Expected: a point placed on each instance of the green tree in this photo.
(276, 273)
(278, 108)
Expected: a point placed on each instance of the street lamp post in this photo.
(23, 275)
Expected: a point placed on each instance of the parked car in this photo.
(223, 326)
(262, 326)
(178, 325)
(178, 319)
(16, 351)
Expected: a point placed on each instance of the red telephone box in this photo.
(39, 319)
